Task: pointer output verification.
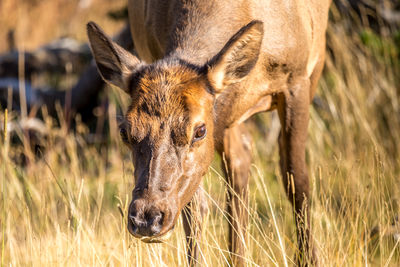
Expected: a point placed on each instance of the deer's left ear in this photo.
(237, 58)
(114, 63)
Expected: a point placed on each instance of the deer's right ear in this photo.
(115, 64)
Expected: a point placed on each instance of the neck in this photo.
(201, 29)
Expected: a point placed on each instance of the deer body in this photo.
(204, 68)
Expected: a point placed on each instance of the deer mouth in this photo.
(156, 239)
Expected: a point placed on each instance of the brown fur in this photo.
(208, 69)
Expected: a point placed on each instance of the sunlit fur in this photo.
(254, 56)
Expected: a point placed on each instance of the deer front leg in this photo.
(192, 218)
(236, 155)
(293, 109)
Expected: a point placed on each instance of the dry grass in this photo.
(67, 209)
(37, 22)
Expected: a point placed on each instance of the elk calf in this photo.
(205, 67)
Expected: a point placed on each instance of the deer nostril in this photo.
(132, 216)
(152, 217)
(158, 218)
(155, 223)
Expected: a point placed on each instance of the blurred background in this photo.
(66, 178)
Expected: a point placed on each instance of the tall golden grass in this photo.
(37, 22)
(69, 207)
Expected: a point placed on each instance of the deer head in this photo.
(169, 125)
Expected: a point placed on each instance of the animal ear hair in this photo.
(237, 58)
(114, 63)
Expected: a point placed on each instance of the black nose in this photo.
(146, 223)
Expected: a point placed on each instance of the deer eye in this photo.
(199, 133)
(124, 135)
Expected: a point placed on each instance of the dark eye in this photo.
(199, 133)
(124, 135)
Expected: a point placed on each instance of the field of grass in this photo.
(68, 208)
